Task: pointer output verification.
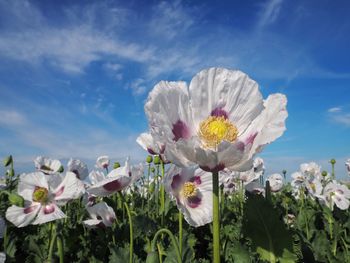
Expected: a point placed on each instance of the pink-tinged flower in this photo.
(338, 194)
(192, 189)
(101, 215)
(41, 200)
(2, 227)
(115, 181)
(219, 122)
(47, 165)
(347, 165)
(79, 168)
(152, 145)
(276, 182)
(102, 162)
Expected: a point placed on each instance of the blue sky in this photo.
(74, 75)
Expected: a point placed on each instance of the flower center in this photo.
(189, 189)
(40, 194)
(214, 130)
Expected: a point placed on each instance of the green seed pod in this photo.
(332, 161)
(156, 160)
(116, 165)
(61, 169)
(152, 257)
(153, 169)
(8, 160)
(152, 186)
(324, 173)
(149, 159)
(16, 199)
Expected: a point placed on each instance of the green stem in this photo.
(131, 233)
(159, 253)
(333, 171)
(216, 219)
(173, 240)
(180, 232)
(162, 196)
(5, 238)
(60, 248)
(148, 174)
(52, 243)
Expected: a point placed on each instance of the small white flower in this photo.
(338, 194)
(47, 165)
(255, 187)
(2, 227)
(2, 257)
(314, 188)
(276, 182)
(192, 188)
(311, 170)
(152, 145)
(79, 168)
(102, 162)
(101, 215)
(42, 199)
(347, 165)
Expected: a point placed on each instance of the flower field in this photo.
(201, 194)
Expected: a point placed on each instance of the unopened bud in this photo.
(16, 199)
(324, 173)
(156, 160)
(149, 159)
(153, 169)
(116, 165)
(332, 161)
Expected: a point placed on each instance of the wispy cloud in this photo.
(340, 115)
(270, 12)
(334, 109)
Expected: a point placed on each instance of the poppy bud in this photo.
(156, 160)
(149, 159)
(116, 165)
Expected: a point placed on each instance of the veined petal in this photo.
(70, 188)
(228, 93)
(79, 168)
(22, 216)
(96, 176)
(110, 185)
(28, 183)
(105, 212)
(48, 213)
(168, 107)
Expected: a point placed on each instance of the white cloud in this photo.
(340, 115)
(334, 109)
(343, 119)
(138, 87)
(269, 13)
(9, 118)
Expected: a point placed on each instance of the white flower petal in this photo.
(109, 185)
(70, 188)
(168, 107)
(20, 216)
(229, 90)
(78, 167)
(2, 257)
(102, 162)
(105, 212)
(92, 223)
(96, 176)
(28, 182)
(48, 213)
(47, 165)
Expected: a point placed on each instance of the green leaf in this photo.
(119, 254)
(269, 236)
(8, 160)
(237, 253)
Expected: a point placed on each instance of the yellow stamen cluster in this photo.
(40, 195)
(189, 189)
(214, 130)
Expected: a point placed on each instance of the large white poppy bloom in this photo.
(219, 121)
(78, 167)
(102, 215)
(42, 200)
(47, 165)
(116, 180)
(192, 188)
(338, 194)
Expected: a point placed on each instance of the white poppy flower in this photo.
(311, 170)
(2, 227)
(78, 167)
(338, 194)
(96, 176)
(151, 145)
(42, 200)
(102, 162)
(314, 188)
(2, 257)
(276, 182)
(219, 122)
(47, 165)
(347, 165)
(192, 188)
(101, 215)
(116, 180)
(255, 187)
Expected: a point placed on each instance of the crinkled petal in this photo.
(109, 185)
(22, 216)
(79, 168)
(28, 183)
(92, 223)
(48, 213)
(96, 176)
(104, 211)
(230, 92)
(70, 188)
(168, 110)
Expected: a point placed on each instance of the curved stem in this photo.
(216, 220)
(173, 240)
(131, 233)
(60, 248)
